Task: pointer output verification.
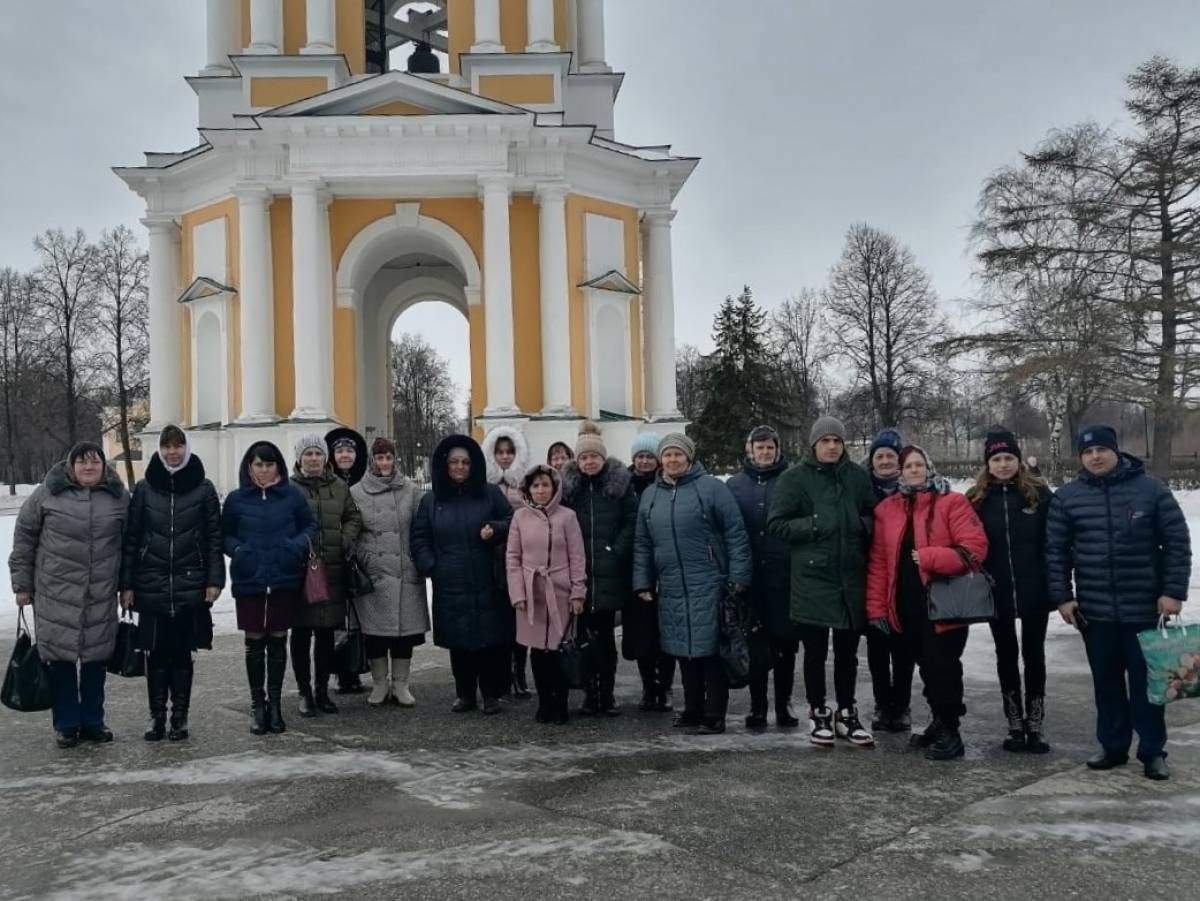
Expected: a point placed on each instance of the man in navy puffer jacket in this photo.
(1121, 535)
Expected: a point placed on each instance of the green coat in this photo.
(823, 511)
(340, 524)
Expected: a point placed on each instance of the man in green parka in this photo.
(823, 509)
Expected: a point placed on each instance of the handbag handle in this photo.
(1164, 621)
(22, 626)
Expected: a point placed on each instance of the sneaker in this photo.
(712, 726)
(881, 719)
(948, 746)
(928, 736)
(822, 726)
(96, 734)
(1156, 768)
(901, 721)
(756, 721)
(848, 727)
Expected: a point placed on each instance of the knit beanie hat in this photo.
(763, 433)
(1000, 441)
(343, 441)
(83, 449)
(826, 425)
(383, 445)
(305, 442)
(1097, 436)
(679, 441)
(589, 440)
(644, 443)
(890, 438)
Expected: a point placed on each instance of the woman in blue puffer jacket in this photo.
(690, 545)
(268, 529)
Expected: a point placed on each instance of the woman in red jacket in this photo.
(917, 533)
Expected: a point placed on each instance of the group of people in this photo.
(524, 555)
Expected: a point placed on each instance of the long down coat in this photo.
(1124, 540)
(607, 510)
(339, 521)
(690, 542)
(547, 569)
(470, 604)
(397, 607)
(1016, 558)
(67, 554)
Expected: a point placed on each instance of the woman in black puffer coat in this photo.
(771, 592)
(597, 487)
(172, 571)
(1013, 503)
(453, 541)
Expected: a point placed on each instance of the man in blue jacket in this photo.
(1122, 537)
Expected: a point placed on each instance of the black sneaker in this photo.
(491, 706)
(948, 746)
(687, 720)
(756, 721)
(927, 737)
(649, 700)
(96, 734)
(822, 726)
(901, 721)
(881, 718)
(1156, 768)
(1107, 760)
(712, 726)
(67, 738)
(848, 727)
(784, 717)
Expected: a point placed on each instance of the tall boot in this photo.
(301, 642)
(256, 674)
(276, 666)
(401, 672)
(648, 670)
(181, 696)
(758, 699)
(606, 686)
(323, 655)
(1016, 721)
(1035, 717)
(591, 698)
(520, 688)
(157, 680)
(380, 687)
(666, 677)
(785, 681)
(543, 688)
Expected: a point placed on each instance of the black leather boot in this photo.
(181, 698)
(276, 666)
(256, 674)
(520, 688)
(308, 707)
(785, 681)
(1016, 721)
(156, 688)
(1035, 718)
(757, 718)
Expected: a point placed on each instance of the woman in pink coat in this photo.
(547, 583)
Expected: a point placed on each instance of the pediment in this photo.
(204, 288)
(394, 94)
(612, 281)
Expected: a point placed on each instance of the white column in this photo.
(556, 288)
(497, 296)
(487, 27)
(312, 302)
(257, 307)
(658, 316)
(266, 26)
(166, 383)
(224, 37)
(322, 27)
(541, 27)
(591, 36)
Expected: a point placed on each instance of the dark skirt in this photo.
(277, 612)
(190, 629)
(321, 616)
(639, 630)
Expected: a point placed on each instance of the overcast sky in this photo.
(809, 115)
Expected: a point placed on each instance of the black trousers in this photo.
(845, 664)
(302, 644)
(485, 669)
(1032, 650)
(549, 681)
(891, 662)
(1119, 680)
(398, 648)
(657, 672)
(782, 659)
(705, 691)
(939, 660)
(603, 624)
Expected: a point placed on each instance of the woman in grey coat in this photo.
(66, 562)
(395, 617)
(690, 548)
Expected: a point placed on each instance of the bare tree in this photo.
(64, 282)
(422, 399)
(801, 351)
(121, 312)
(884, 313)
(690, 367)
(18, 346)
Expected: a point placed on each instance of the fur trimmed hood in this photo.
(614, 479)
(514, 474)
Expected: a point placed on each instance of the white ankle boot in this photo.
(381, 687)
(400, 673)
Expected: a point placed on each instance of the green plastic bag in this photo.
(1172, 662)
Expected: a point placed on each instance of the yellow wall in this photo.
(351, 31)
(461, 30)
(578, 207)
(295, 26)
(188, 223)
(514, 27)
(518, 89)
(527, 302)
(281, 280)
(272, 92)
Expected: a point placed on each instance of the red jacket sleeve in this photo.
(964, 529)
(878, 602)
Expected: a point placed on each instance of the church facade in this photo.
(329, 193)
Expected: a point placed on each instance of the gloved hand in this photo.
(882, 625)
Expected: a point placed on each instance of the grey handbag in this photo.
(962, 599)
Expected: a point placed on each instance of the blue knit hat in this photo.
(645, 443)
(1097, 436)
(888, 437)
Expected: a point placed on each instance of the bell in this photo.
(423, 60)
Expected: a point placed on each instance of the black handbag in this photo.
(736, 639)
(350, 650)
(27, 686)
(577, 654)
(360, 580)
(962, 599)
(127, 660)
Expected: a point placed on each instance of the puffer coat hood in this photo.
(362, 456)
(509, 479)
(67, 554)
(443, 486)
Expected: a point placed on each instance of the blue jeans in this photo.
(78, 694)
(1114, 655)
